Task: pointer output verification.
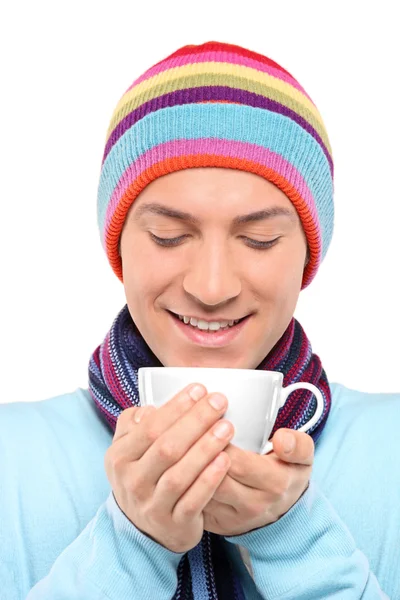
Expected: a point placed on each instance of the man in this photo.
(215, 209)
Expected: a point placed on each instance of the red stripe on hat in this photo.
(179, 163)
(221, 46)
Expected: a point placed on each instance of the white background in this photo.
(65, 66)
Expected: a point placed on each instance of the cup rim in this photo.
(256, 372)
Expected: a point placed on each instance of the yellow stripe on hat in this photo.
(210, 68)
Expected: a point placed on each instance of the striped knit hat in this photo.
(218, 105)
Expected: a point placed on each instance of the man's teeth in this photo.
(213, 326)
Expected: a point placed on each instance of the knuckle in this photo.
(209, 477)
(168, 451)
(170, 482)
(151, 434)
(207, 446)
(238, 469)
(203, 417)
(116, 462)
(188, 509)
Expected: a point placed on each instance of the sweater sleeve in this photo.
(309, 554)
(111, 559)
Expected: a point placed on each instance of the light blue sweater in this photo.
(62, 536)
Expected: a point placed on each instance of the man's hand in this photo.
(259, 489)
(165, 464)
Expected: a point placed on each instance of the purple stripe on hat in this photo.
(205, 94)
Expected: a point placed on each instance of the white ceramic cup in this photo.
(254, 397)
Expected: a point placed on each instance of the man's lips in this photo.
(214, 339)
(208, 319)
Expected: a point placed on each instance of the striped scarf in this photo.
(205, 572)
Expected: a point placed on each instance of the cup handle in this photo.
(285, 392)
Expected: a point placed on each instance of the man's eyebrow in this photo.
(260, 215)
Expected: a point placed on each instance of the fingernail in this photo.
(197, 392)
(217, 401)
(288, 442)
(222, 430)
(139, 414)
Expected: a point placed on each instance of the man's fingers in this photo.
(294, 446)
(166, 415)
(129, 417)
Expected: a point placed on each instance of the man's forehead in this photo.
(267, 213)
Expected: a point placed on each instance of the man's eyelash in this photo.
(167, 241)
(171, 242)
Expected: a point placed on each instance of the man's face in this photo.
(214, 271)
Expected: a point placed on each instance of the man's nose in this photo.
(212, 276)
